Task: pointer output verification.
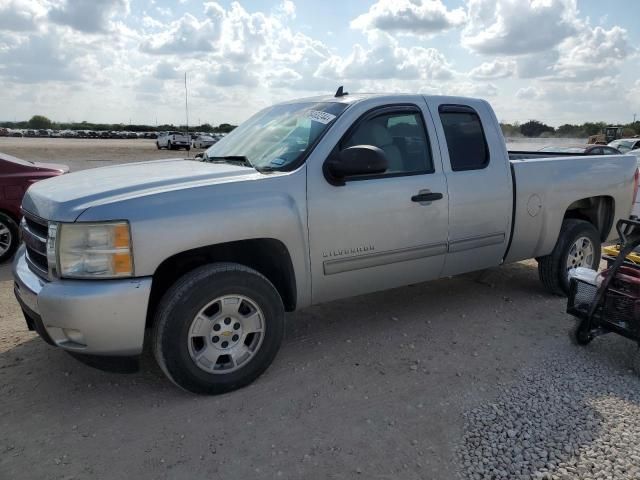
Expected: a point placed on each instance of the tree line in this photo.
(40, 122)
(534, 128)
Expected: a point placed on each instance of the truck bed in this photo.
(528, 155)
(540, 204)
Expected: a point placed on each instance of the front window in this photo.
(278, 137)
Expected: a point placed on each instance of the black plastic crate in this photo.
(581, 295)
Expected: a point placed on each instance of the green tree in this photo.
(39, 121)
(534, 128)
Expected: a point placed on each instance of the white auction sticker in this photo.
(319, 116)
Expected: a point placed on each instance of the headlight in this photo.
(93, 250)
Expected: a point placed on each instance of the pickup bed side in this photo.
(595, 188)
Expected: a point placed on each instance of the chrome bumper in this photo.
(100, 317)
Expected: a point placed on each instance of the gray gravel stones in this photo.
(576, 415)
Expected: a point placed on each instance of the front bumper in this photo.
(100, 317)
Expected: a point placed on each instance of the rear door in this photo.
(478, 181)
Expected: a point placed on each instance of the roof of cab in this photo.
(347, 98)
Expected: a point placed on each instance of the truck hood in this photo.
(65, 197)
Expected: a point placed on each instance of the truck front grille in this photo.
(34, 235)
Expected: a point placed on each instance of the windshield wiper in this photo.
(233, 159)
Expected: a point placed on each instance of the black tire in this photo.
(10, 238)
(552, 268)
(186, 298)
(187, 148)
(579, 335)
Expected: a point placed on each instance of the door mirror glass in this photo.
(354, 161)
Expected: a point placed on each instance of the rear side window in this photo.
(466, 142)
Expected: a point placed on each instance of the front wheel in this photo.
(218, 328)
(578, 245)
(8, 237)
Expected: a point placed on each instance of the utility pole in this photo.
(634, 118)
(186, 108)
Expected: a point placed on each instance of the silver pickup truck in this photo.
(306, 202)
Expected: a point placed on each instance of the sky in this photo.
(122, 61)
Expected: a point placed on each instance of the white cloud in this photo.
(528, 93)
(38, 58)
(88, 16)
(419, 17)
(536, 65)
(387, 60)
(20, 15)
(510, 27)
(165, 71)
(187, 36)
(499, 68)
(593, 53)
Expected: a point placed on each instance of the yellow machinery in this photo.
(614, 250)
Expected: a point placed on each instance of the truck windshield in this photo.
(277, 137)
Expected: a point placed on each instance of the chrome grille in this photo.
(34, 235)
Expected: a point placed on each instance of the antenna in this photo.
(186, 108)
(340, 92)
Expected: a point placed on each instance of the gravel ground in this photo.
(574, 415)
(431, 381)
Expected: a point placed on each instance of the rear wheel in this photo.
(578, 245)
(8, 237)
(218, 328)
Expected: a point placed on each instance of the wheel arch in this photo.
(599, 211)
(268, 256)
(12, 215)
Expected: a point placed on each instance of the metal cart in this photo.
(614, 305)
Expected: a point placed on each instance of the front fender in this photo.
(167, 223)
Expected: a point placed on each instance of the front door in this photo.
(386, 230)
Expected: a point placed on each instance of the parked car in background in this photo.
(173, 140)
(204, 141)
(585, 149)
(636, 204)
(626, 144)
(16, 176)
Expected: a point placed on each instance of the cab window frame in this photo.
(456, 109)
(399, 109)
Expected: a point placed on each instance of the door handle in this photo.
(426, 197)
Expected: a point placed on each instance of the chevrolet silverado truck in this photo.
(173, 141)
(306, 202)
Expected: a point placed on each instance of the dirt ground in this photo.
(83, 153)
(371, 387)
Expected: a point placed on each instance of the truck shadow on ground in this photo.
(380, 381)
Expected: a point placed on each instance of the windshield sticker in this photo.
(278, 161)
(320, 116)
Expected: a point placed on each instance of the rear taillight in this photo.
(636, 178)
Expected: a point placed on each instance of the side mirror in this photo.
(352, 161)
(200, 155)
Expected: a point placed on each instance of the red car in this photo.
(15, 177)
